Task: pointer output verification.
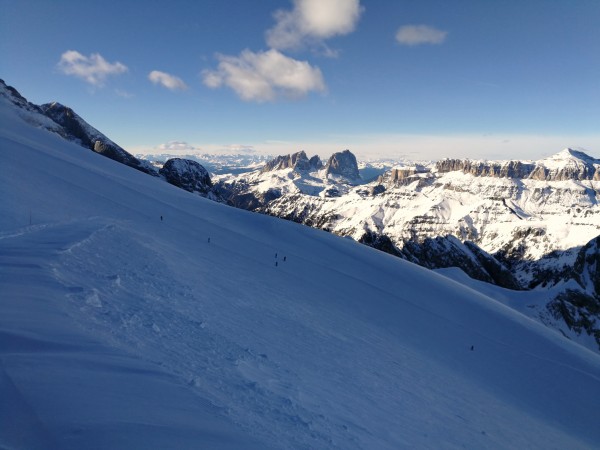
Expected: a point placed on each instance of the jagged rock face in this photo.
(447, 251)
(187, 174)
(403, 176)
(295, 161)
(568, 164)
(76, 129)
(580, 312)
(580, 308)
(586, 270)
(510, 169)
(344, 164)
(315, 162)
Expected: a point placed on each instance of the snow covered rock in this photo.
(188, 175)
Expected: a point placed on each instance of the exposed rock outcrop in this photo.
(403, 176)
(447, 251)
(343, 164)
(78, 130)
(509, 169)
(568, 164)
(187, 174)
(295, 161)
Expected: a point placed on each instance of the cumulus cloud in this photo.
(94, 69)
(312, 21)
(167, 80)
(420, 34)
(264, 76)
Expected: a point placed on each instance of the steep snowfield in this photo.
(220, 328)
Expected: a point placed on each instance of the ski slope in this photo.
(120, 330)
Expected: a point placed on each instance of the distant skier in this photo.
(161, 218)
(209, 240)
(284, 258)
(472, 347)
(275, 263)
(275, 255)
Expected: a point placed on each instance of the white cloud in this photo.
(264, 76)
(176, 147)
(167, 80)
(94, 69)
(420, 34)
(312, 21)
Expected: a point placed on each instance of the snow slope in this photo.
(119, 330)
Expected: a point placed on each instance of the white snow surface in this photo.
(119, 330)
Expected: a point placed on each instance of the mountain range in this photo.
(138, 314)
(520, 225)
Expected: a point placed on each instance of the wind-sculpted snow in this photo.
(220, 328)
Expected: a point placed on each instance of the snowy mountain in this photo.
(512, 223)
(62, 120)
(78, 130)
(220, 328)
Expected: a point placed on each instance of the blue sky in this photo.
(418, 79)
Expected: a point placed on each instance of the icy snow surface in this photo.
(119, 330)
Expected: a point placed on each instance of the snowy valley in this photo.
(139, 314)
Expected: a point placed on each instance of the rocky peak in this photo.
(78, 130)
(187, 174)
(295, 161)
(567, 164)
(494, 169)
(344, 164)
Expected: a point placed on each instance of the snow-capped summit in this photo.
(567, 164)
